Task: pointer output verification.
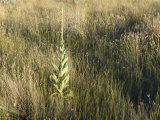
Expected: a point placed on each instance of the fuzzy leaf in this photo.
(70, 94)
(56, 86)
(64, 71)
(59, 90)
(64, 61)
(62, 48)
(55, 67)
(56, 73)
(66, 79)
(55, 78)
(61, 79)
(51, 76)
(59, 59)
(64, 87)
(62, 56)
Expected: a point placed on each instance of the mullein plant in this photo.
(60, 76)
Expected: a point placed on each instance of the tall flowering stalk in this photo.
(60, 73)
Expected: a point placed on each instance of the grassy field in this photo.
(113, 50)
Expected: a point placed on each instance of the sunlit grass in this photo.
(113, 59)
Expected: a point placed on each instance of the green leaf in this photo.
(51, 76)
(56, 86)
(64, 61)
(55, 78)
(55, 72)
(55, 67)
(66, 79)
(64, 71)
(61, 79)
(64, 87)
(62, 56)
(70, 94)
(62, 48)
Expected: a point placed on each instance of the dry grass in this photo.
(113, 59)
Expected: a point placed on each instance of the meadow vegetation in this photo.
(113, 50)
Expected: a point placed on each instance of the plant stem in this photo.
(62, 24)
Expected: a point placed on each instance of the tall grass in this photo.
(113, 59)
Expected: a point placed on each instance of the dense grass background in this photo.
(114, 59)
